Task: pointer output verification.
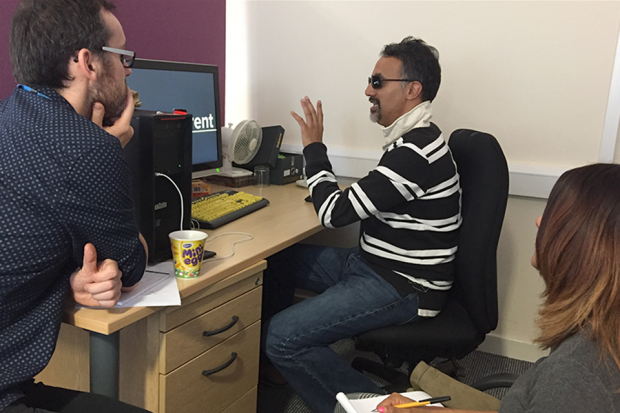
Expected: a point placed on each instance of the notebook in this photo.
(367, 403)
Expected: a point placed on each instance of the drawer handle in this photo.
(233, 356)
(221, 330)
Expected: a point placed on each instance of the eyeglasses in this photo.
(377, 81)
(127, 57)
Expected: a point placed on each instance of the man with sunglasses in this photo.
(409, 208)
(65, 198)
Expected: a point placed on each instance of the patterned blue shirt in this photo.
(63, 183)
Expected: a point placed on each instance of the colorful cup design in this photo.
(187, 248)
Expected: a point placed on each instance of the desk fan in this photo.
(240, 145)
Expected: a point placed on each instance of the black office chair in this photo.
(471, 310)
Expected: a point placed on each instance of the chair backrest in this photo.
(484, 181)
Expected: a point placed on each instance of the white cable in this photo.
(180, 195)
(209, 239)
(194, 224)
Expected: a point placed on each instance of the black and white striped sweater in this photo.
(409, 207)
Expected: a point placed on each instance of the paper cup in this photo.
(187, 249)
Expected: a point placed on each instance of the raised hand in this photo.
(96, 284)
(312, 127)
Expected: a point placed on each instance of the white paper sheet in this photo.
(346, 403)
(157, 288)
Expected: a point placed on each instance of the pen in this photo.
(29, 89)
(156, 272)
(439, 399)
(419, 403)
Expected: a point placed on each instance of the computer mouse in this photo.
(207, 254)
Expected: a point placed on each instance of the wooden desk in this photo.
(144, 335)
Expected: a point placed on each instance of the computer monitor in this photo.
(165, 86)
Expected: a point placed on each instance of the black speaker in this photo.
(160, 152)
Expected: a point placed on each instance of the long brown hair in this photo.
(578, 254)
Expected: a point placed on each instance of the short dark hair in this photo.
(420, 62)
(46, 33)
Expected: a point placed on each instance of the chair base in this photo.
(451, 367)
(495, 380)
(399, 381)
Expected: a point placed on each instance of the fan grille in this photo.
(247, 138)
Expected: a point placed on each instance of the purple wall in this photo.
(183, 30)
(7, 83)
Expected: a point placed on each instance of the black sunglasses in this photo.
(377, 81)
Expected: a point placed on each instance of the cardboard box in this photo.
(289, 168)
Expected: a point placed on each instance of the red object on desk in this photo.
(200, 189)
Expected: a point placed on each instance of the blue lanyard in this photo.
(29, 89)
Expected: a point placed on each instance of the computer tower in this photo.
(161, 144)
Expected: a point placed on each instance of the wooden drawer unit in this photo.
(212, 297)
(187, 341)
(162, 356)
(246, 404)
(189, 389)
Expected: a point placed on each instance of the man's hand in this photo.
(96, 284)
(121, 127)
(312, 127)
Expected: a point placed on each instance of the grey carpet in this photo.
(477, 366)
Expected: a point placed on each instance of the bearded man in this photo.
(409, 213)
(64, 190)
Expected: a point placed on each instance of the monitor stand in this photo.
(206, 172)
(220, 176)
(234, 172)
(230, 171)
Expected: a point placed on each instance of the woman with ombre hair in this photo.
(578, 256)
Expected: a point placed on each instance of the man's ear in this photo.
(414, 90)
(84, 65)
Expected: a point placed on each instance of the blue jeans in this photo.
(352, 299)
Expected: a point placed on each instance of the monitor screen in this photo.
(165, 86)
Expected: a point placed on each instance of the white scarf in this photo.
(418, 117)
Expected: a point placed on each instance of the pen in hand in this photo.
(418, 403)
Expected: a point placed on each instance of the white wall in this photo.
(535, 74)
